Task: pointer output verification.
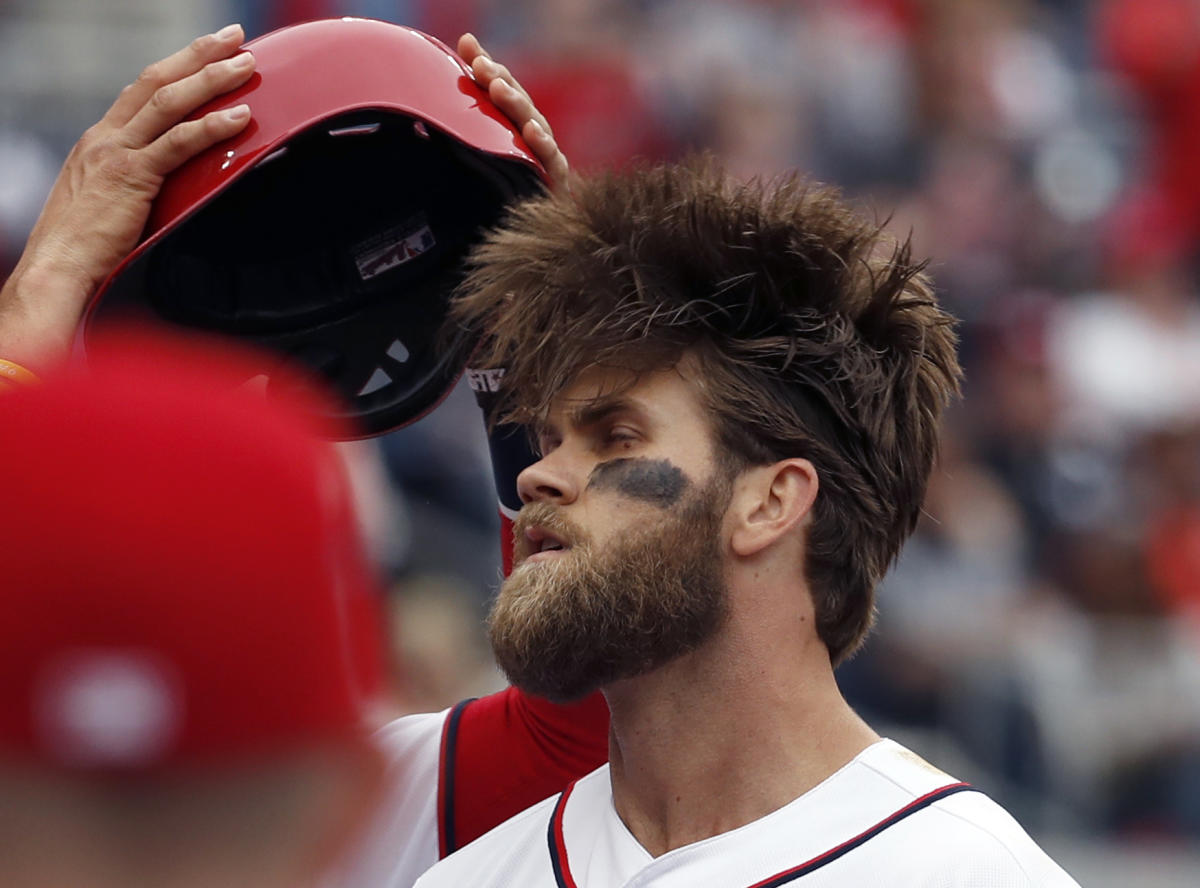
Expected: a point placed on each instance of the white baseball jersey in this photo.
(887, 818)
(454, 775)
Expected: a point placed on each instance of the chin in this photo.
(568, 622)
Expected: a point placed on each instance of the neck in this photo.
(727, 734)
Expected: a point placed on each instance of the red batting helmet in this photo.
(333, 227)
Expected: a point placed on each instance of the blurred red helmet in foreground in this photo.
(181, 577)
(333, 227)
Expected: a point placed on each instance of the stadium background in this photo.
(1041, 634)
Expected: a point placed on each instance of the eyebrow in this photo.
(593, 413)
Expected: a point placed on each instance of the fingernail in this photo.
(227, 32)
(242, 61)
(489, 67)
(237, 113)
(538, 129)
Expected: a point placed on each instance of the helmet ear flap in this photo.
(339, 241)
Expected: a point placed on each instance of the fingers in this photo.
(185, 140)
(520, 109)
(189, 60)
(469, 47)
(147, 116)
(173, 101)
(487, 71)
(489, 74)
(510, 97)
(97, 209)
(516, 105)
(547, 151)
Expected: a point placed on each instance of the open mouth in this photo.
(541, 543)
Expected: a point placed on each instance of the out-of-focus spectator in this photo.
(1172, 459)
(189, 660)
(1128, 360)
(1155, 45)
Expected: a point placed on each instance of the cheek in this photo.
(658, 482)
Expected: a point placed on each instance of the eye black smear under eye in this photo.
(655, 481)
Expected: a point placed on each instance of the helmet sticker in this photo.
(394, 247)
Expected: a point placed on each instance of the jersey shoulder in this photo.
(985, 846)
(964, 840)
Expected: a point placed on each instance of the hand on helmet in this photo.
(510, 97)
(99, 204)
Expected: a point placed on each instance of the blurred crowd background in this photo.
(1041, 633)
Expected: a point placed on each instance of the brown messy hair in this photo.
(817, 335)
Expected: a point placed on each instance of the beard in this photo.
(594, 615)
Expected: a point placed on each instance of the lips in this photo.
(539, 539)
(542, 532)
(540, 543)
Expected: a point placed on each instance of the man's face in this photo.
(618, 548)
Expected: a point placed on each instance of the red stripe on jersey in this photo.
(845, 847)
(558, 845)
(564, 879)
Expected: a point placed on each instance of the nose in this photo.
(549, 479)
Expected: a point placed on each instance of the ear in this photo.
(769, 502)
